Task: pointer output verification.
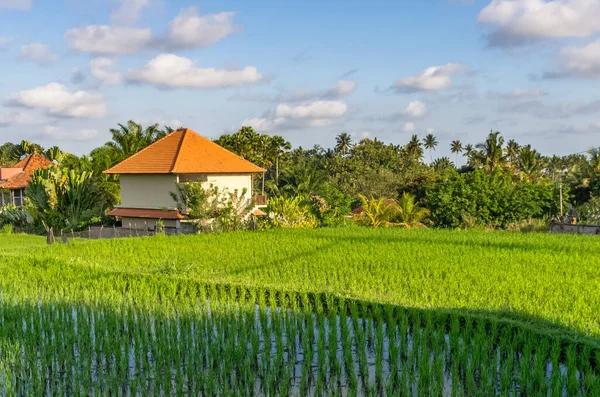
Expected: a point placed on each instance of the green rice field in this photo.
(350, 311)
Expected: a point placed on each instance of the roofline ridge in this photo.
(178, 152)
(138, 152)
(235, 154)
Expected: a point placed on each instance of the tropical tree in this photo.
(512, 152)
(414, 147)
(343, 143)
(131, 138)
(442, 163)
(456, 147)
(430, 143)
(63, 198)
(409, 213)
(377, 212)
(531, 163)
(492, 153)
(54, 154)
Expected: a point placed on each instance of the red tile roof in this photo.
(146, 213)
(29, 164)
(184, 152)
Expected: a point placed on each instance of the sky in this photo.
(309, 70)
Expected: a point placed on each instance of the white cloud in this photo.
(264, 124)
(170, 70)
(526, 93)
(103, 70)
(581, 61)
(431, 79)
(60, 134)
(190, 30)
(430, 130)
(408, 127)
(415, 109)
(128, 13)
(20, 118)
(38, 52)
(16, 4)
(311, 114)
(59, 101)
(104, 39)
(5, 42)
(312, 110)
(340, 89)
(519, 20)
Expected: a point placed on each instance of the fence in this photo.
(566, 228)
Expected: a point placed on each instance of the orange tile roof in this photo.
(29, 164)
(184, 152)
(146, 213)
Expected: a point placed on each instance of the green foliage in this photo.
(211, 206)
(382, 212)
(291, 212)
(377, 212)
(487, 200)
(409, 213)
(16, 217)
(325, 312)
(589, 213)
(64, 199)
(6, 229)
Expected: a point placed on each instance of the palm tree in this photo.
(512, 151)
(414, 147)
(430, 143)
(456, 147)
(343, 143)
(130, 139)
(442, 163)
(409, 214)
(377, 212)
(492, 152)
(530, 162)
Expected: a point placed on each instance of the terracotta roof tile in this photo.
(146, 213)
(29, 164)
(184, 152)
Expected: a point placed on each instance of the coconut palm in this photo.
(530, 163)
(377, 212)
(512, 151)
(409, 213)
(343, 143)
(430, 143)
(456, 147)
(130, 139)
(414, 147)
(442, 163)
(492, 153)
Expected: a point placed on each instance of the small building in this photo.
(14, 180)
(148, 177)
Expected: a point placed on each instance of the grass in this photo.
(547, 280)
(356, 310)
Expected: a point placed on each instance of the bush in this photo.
(6, 229)
(488, 200)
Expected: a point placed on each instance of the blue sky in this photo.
(72, 69)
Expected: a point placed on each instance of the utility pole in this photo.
(561, 199)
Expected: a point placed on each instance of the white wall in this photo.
(147, 191)
(231, 182)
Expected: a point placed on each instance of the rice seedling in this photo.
(386, 317)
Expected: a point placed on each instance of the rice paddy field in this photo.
(351, 311)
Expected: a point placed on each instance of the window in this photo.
(192, 178)
(17, 197)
